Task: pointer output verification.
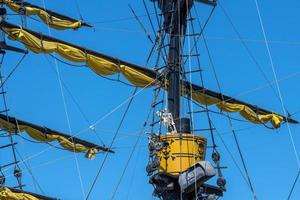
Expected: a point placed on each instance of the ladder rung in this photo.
(191, 19)
(193, 71)
(205, 129)
(154, 123)
(157, 88)
(166, 28)
(157, 103)
(169, 11)
(190, 55)
(198, 111)
(163, 46)
(7, 165)
(3, 111)
(223, 167)
(192, 35)
(157, 69)
(211, 146)
(8, 145)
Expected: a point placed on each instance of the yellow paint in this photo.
(181, 152)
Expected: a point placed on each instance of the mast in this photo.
(175, 13)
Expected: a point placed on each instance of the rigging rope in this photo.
(112, 143)
(276, 80)
(11, 140)
(149, 18)
(231, 154)
(78, 10)
(141, 24)
(29, 169)
(221, 181)
(76, 103)
(132, 151)
(93, 125)
(13, 70)
(229, 119)
(66, 113)
(190, 102)
(294, 184)
(248, 50)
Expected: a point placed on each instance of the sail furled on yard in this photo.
(99, 63)
(7, 194)
(105, 65)
(53, 19)
(44, 134)
(225, 103)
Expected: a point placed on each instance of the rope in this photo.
(231, 155)
(276, 80)
(93, 125)
(131, 153)
(190, 102)
(202, 29)
(112, 142)
(149, 18)
(75, 101)
(119, 19)
(215, 151)
(13, 70)
(16, 165)
(141, 24)
(294, 184)
(248, 50)
(66, 114)
(78, 10)
(230, 122)
(36, 183)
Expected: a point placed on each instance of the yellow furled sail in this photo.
(43, 134)
(98, 64)
(53, 21)
(7, 194)
(244, 110)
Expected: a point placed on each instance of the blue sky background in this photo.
(34, 95)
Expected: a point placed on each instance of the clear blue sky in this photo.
(34, 95)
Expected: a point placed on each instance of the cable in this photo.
(231, 155)
(248, 50)
(112, 142)
(276, 80)
(11, 140)
(230, 122)
(190, 102)
(31, 173)
(141, 24)
(75, 101)
(131, 154)
(119, 20)
(66, 113)
(93, 125)
(13, 70)
(293, 187)
(78, 10)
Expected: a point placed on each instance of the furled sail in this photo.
(105, 65)
(44, 134)
(53, 19)
(225, 103)
(14, 194)
(99, 63)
